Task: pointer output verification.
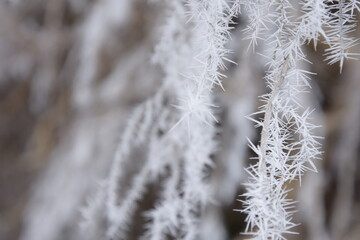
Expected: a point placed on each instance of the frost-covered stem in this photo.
(280, 158)
(138, 128)
(314, 18)
(275, 90)
(211, 19)
(341, 25)
(268, 114)
(341, 32)
(257, 12)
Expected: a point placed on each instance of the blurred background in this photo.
(71, 72)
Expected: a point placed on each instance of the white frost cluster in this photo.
(288, 146)
(342, 23)
(174, 131)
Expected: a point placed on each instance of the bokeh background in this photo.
(71, 72)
